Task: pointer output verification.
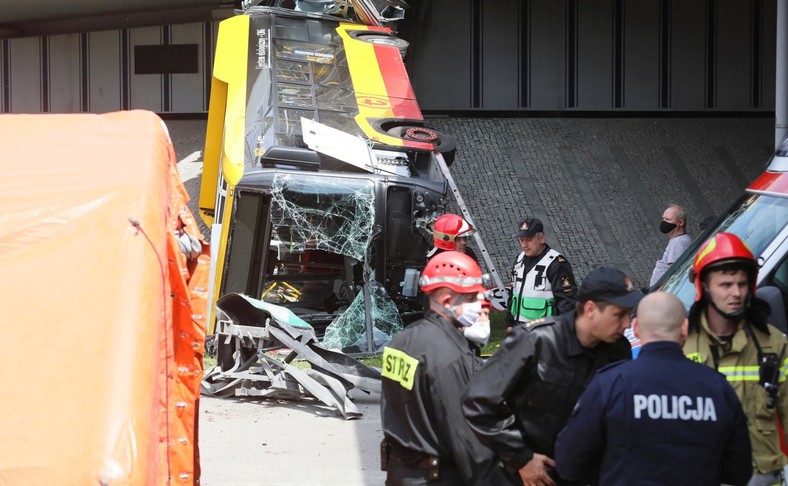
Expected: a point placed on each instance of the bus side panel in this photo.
(231, 64)
(224, 142)
(213, 150)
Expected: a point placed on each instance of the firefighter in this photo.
(661, 418)
(425, 370)
(522, 397)
(542, 280)
(728, 331)
(450, 233)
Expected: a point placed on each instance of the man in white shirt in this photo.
(674, 225)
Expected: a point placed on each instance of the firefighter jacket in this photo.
(738, 361)
(660, 419)
(425, 370)
(542, 285)
(523, 395)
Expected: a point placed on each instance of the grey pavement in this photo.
(599, 185)
(257, 442)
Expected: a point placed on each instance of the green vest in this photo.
(532, 295)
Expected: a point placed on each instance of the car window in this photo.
(756, 219)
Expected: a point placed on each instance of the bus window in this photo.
(294, 72)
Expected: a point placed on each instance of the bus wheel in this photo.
(443, 143)
(384, 40)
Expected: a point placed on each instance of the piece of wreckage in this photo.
(247, 363)
(320, 209)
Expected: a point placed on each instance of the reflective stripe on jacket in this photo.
(739, 364)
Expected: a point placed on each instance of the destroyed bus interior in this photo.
(314, 244)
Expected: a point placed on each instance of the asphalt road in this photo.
(279, 443)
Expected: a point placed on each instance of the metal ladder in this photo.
(497, 296)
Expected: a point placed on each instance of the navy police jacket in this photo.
(661, 419)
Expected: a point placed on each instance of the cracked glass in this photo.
(320, 213)
(322, 229)
(349, 331)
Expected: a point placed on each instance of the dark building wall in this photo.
(99, 71)
(593, 55)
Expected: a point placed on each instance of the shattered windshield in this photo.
(321, 213)
(321, 232)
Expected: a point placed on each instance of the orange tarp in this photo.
(103, 316)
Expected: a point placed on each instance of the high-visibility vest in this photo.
(532, 295)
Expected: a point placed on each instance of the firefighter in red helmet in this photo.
(425, 370)
(728, 331)
(450, 233)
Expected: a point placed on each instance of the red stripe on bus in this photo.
(398, 88)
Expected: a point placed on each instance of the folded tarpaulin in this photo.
(104, 316)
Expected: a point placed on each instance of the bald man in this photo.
(661, 419)
(674, 226)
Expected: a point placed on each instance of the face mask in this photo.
(666, 227)
(470, 313)
(450, 313)
(479, 332)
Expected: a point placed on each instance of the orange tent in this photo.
(103, 314)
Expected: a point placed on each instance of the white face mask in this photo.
(479, 332)
(470, 313)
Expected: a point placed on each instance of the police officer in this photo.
(450, 233)
(660, 419)
(542, 280)
(520, 400)
(425, 370)
(728, 331)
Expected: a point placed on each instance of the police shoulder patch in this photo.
(399, 367)
(541, 322)
(561, 259)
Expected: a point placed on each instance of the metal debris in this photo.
(252, 333)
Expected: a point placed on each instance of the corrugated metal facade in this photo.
(94, 72)
(594, 55)
(466, 55)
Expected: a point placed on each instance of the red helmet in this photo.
(722, 248)
(447, 228)
(454, 270)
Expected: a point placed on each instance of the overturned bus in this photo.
(321, 178)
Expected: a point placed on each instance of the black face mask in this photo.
(666, 227)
